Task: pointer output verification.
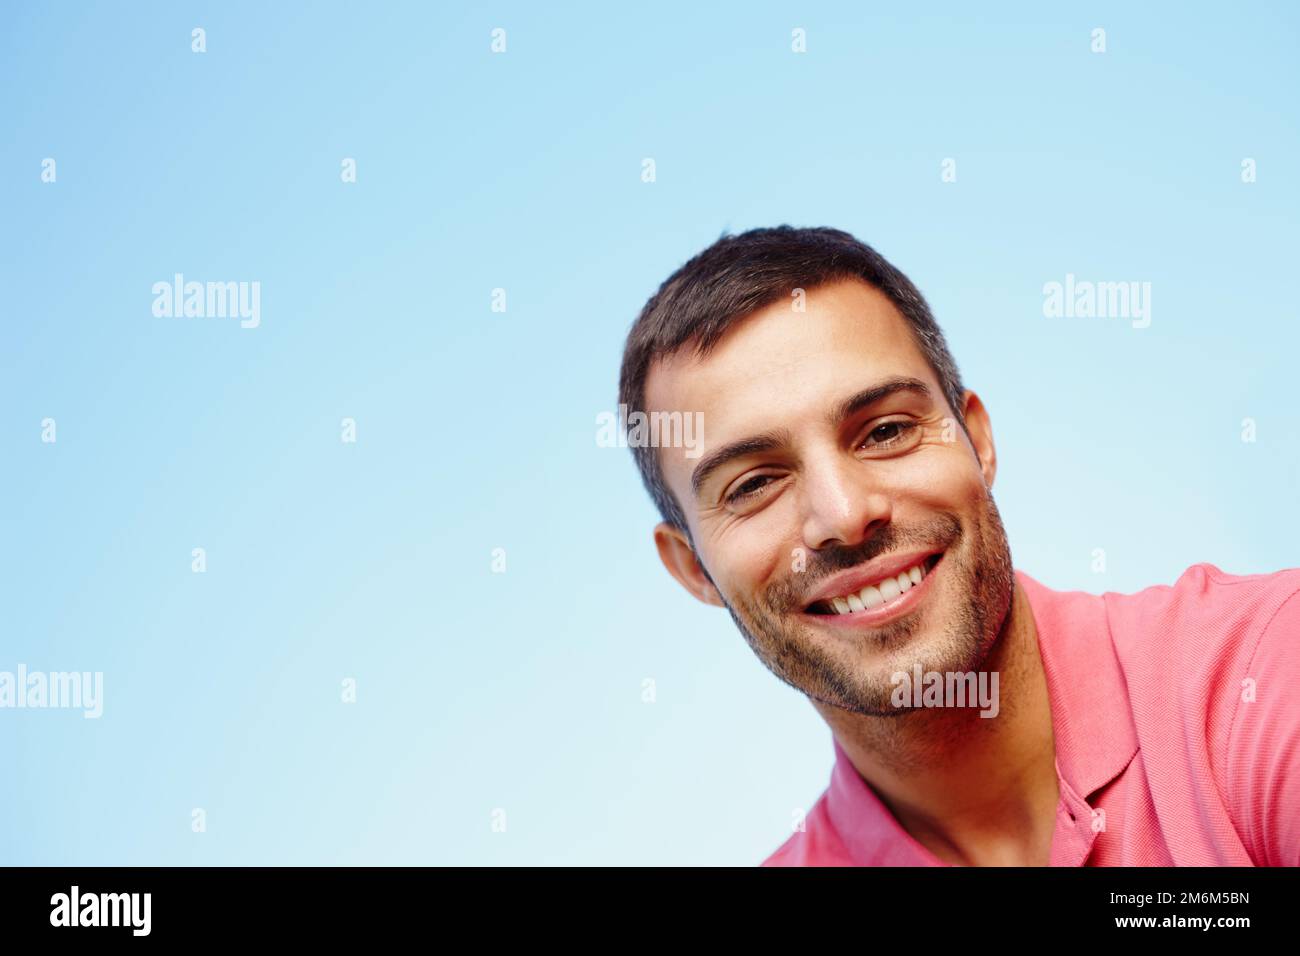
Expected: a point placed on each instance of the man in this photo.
(838, 503)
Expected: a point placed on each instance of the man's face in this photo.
(810, 498)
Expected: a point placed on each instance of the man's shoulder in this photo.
(1205, 577)
(1188, 642)
(1201, 588)
(1204, 602)
(1185, 649)
(1210, 662)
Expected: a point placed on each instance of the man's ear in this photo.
(679, 558)
(981, 435)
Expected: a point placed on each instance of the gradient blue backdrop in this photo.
(476, 430)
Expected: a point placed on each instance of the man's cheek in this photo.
(750, 567)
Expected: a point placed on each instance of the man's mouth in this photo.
(878, 593)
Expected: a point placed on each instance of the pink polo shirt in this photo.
(1176, 716)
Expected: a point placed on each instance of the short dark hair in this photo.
(735, 277)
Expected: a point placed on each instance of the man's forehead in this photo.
(849, 332)
(780, 364)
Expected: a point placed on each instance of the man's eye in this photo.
(889, 434)
(749, 488)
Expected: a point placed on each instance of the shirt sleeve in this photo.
(1264, 743)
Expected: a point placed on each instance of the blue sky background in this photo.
(476, 430)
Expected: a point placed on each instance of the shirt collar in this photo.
(1091, 723)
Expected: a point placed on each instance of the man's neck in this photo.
(974, 791)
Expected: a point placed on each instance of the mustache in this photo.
(789, 594)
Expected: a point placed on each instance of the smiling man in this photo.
(841, 509)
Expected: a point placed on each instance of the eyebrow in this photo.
(753, 445)
(757, 444)
(869, 396)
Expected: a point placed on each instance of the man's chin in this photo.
(848, 665)
(856, 669)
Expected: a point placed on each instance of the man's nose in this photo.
(842, 505)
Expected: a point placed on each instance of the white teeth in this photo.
(879, 593)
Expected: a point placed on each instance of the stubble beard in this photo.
(855, 672)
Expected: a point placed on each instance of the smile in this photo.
(870, 595)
